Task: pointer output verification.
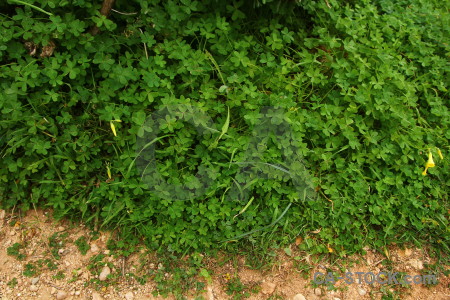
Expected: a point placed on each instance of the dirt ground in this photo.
(40, 260)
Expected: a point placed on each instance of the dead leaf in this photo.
(31, 48)
(47, 51)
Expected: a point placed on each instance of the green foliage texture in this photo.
(362, 84)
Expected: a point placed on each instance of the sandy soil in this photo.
(40, 275)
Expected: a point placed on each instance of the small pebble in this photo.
(104, 274)
(267, 288)
(33, 288)
(318, 291)
(299, 297)
(34, 280)
(361, 291)
(416, 264)
(61, 295)
(94, 248)
(129, 296)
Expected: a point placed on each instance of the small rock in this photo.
(34, 280)
(105, 272)
(299, 297)
(12, 232)
(336, 298)
(61, 251)
(361, 291)
(268, 288)
(416, 264)
(94, 248)
(96, 296)
(408, 252)
(107, 252)
(61, 228)
(77, 293)
(129, 296)
(61, 295)
(33, 288)
(53, 291)
(318, 291)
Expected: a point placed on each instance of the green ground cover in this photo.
(270, 120)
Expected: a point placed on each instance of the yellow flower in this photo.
(440, 153)
(429, 164)
(330, 250)
(113, 128)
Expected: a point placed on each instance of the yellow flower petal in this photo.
(113, 128)
(440, 153)
(424, 172)
(430, 162)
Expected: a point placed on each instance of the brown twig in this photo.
(105, 11)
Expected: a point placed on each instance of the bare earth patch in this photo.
(41, 259)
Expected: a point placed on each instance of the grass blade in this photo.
(32, 6)
(143, 148)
